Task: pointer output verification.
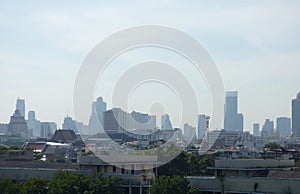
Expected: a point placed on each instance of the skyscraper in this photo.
(142, 121)
(296, 116)
(166, 123)
(69, 123)
(18, 125)
(20, 105)
(268, 128)
(234, 121)
(202, 126)
(34, 126)
(283, 124)
(256, 129)
(116, 121)
(96, 120)
(189, 131)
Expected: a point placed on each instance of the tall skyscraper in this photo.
(189, 131)
(202, 126)
(296, 116)
(283, 124)
(20, 105)
(256, 129)
(142, 121)
(96, 122)
(166, 123)
(115, 121)
(48, 129)
(234, 121)
(18, 125)
(268, 128)
(34, 126)
(69, 123)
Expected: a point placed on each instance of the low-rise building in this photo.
(250, 176)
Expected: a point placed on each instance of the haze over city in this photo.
(256, 48)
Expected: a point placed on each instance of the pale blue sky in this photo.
(255, 44)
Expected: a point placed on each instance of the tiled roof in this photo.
(38, 146)
(64, 135)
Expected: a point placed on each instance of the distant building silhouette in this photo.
(20, 105)
(96, 122)
(166, 123)
(189, 131)
(115, 120)
(47, 129)
(18, 125)
(202, 126)
(296, 116)
(69, 123)
(268, 128)
(256, 131)
(283, 125)
(234, 121)
(34, 126)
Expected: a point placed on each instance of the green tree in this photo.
(66, 182)
(205, 162)
(14, 147)
(8, 187)
(109, 185)
(187, 164)
(178, 166)
(172, 185)
(34, 186)
(272, 145)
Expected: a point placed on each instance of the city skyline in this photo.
(231, 99)
(255, 46)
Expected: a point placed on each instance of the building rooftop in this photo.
(252, 163)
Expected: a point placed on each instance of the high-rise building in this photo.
(141, 121)
(268, 128)
(189, 131)
(256, 131)
(18, 125)
(115, 121)
(96, 122)
(202, 126)
(20, 105)
(296, 116)
(283, 125)
(34, 126)
(166, 123)
(234, 121)
(48, 129)
(69, 123)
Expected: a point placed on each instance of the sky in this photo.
(255, 45)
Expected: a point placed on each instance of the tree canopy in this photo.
(64, 182)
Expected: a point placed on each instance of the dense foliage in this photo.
(172, 185)
(64, 182)
(186, 164)
(272, 146)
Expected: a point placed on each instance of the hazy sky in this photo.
(255, 44)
